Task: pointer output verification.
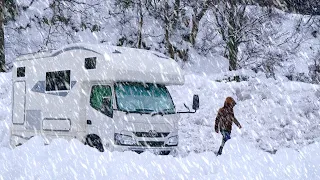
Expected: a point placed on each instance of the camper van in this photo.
(107, 97)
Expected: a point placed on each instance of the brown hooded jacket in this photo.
(225, 116)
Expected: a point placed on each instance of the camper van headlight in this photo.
(121, 139)
(173, 141)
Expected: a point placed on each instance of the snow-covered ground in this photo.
(73, 160)
(274, 114)
(278, 116)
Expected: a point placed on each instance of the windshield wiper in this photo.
(144, 110)
(127, 112)
(150, 111)
(139, 111)
(156, 113)
(162, 112)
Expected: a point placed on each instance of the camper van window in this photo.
(90, 63)
(100, 99)
(58, 80)
(143, 98)
(21, 71)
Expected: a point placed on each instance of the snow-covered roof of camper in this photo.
(124, 64)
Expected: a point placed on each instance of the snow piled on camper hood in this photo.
(279, 138)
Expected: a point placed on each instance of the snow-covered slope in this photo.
(274, 113)
(290, 39)
(5, 107)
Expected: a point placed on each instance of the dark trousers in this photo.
(225, 137)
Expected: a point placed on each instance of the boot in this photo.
(220, 151)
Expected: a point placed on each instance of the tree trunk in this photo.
(176, 14)
(2, 54)
(232, 44)
(168, 43)
(194, 30)
(167, 31)
(140, 24)
(196, 18)
(232, 51)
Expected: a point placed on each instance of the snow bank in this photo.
(5, 107)
(73, 160)
(274, 114)
(205, 65)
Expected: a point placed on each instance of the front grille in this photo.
(148, 134)
(152, 143)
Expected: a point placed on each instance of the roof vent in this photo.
(116, 52)
(90, 63)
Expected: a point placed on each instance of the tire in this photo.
(94, 141)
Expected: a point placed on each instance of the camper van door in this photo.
(100, 112)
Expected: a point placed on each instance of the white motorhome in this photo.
(106, 96)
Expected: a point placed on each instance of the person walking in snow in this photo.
(224, 120)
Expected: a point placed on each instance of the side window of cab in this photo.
(101, 99)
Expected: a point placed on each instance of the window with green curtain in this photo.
(98, 93)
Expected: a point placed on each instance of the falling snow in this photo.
(278, 105)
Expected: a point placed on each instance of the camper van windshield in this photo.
(143, 98)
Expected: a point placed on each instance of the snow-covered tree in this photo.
(132, 15)
(8, 12)
(43, 25)
(233, 25)
(314, 69)
(254, 37)
(198, 9)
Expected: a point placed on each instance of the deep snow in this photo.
(73, 160)
(275, 114)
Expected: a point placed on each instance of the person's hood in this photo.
(229, 102)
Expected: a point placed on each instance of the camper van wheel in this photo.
(94, 141)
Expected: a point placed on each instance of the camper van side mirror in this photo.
(195, 104)
(107, 106)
